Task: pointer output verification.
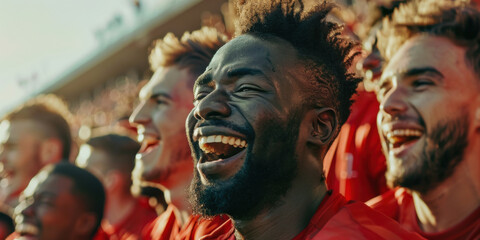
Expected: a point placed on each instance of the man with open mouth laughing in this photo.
(429, 119)
(164, 160)
(266, 110)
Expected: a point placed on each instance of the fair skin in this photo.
(119, 201)
(24, 152)
(429, 82)
(165, 160)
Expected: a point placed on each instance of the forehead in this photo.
(425, 51)
(52, 184)
(251, 51)
(167, 80)
(16, 129)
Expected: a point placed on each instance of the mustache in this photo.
(245, 129)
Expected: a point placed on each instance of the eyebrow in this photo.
(206, 78)
(413, 72)
(160, 94)
(240, 72)
(423, 70)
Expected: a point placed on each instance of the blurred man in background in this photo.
(32, 136)
(164, 158)
(61, 202)
(355, 165)
(429, 118)
(111, 158)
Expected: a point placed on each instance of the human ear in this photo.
(323, 126)
(50, 151)
(85, 224)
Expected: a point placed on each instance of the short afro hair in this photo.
(325, 54)
(85, 186)
(454, 20)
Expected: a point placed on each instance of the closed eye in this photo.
(422, 83)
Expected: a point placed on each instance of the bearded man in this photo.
(429, 118)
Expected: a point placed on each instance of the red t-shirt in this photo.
(131, 227)
(336, 218)
(166, 227)
(398, 204)
(100, 235)
(355, 165)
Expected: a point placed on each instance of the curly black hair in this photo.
(325, 53)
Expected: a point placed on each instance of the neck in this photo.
(118, 207)
(439, 209)
(176, 192)
(293, 213)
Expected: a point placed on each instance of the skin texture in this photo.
(164, 105)
(441, 103)
(20, 155)
(252, 89)
(49, 206)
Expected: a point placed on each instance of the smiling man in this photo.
(164, 160)
(61, 202)
(429, 119)
(266, 110)
(32, 136)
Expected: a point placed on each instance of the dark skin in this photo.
(252, 83)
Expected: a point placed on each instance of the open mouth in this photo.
(218, 147)
(402, 138)
(148, 144)
(26, 231)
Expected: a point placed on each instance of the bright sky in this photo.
(41, 39)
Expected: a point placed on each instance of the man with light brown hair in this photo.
(164, 160)
(32, 136)
(429, 118)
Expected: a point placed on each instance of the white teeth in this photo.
(403, 133)
(26, 228)
(235, 142)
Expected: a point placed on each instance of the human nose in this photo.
(24, 208)
(395, 102)
(214, 105)
(140, 115)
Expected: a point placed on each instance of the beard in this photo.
(443, 150)
(264, 179)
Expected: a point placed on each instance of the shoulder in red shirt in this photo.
(166, 227)
(130, 228)
(398, 204)
(355, 165)
(338, 219)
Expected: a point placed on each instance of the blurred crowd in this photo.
(276, 120)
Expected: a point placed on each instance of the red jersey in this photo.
(100, 235)
(398, 204)
(166, 227)
(336, 218)
(355, 165)
(130, 228)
